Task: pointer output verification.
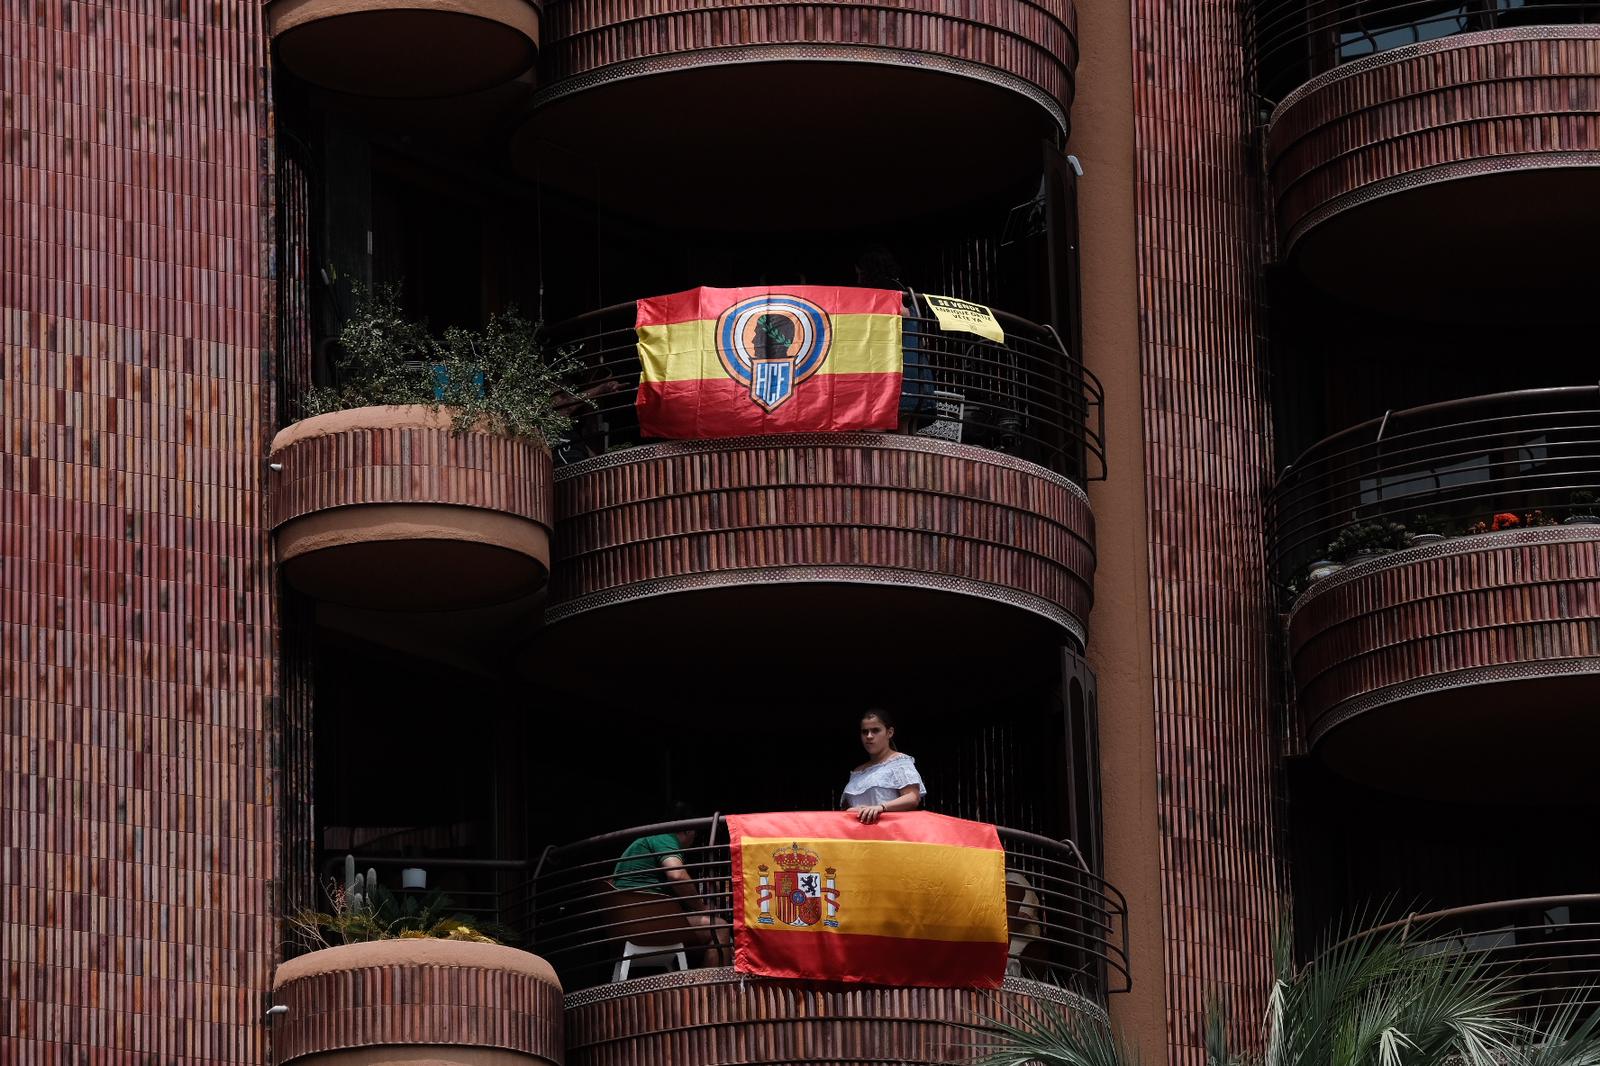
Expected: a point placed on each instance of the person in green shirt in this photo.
(653, 866)
(648, 863)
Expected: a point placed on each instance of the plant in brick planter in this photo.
(361, 910)
(350, 503)
(410, 981)
(501, 379)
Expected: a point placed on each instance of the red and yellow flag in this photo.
(917, 899)
(797, 359)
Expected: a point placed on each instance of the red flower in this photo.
(1506, 521)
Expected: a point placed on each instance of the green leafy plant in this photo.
(1367, 536)
(502, 379)
(1367, 1000)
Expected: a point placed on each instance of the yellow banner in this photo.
(960, 316)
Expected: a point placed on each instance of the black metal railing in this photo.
(1067, 925)
(1546, 949)
(1448, 469)
(1292, 41)
(1028, 396)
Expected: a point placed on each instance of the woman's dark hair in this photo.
(883, 716)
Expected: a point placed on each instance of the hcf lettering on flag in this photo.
(916, 899)
(797, 359)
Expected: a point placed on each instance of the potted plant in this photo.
(1582, 506)
(1496, 523)
(349, 501)
(501, 379)
(1429, 527)
(1366, 539)
(1321, 569)
(409, 975)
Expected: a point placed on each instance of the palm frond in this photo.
(1050, 1036)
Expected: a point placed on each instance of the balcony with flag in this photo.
(902, 472)
(823, 943)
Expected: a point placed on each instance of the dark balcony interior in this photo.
(466, 236)
(1336, 365)
(796, 115)
(1477, 248)
(787, 147)
(1362, 858)
(419, 763)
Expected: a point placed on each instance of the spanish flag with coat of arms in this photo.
(915, 899)
(796, 359)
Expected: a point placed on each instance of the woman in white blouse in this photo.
(888, 780)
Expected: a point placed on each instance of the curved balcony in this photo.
(1421, 154)
(388, 508)
(967, 529)
(405, 48)
(1450, 635)
(1068, 931)
(927, 95)
(1546, 949)
(418, 1000)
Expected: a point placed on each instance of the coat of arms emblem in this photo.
(795, 894)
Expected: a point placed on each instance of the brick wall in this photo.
(136, 852)
(1207, 461)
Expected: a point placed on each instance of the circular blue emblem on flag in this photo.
(772, 343)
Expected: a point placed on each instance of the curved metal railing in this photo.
(1291, 41)
(1445, 469)
(1028, 396)
(1545, 948)
(1067, 925)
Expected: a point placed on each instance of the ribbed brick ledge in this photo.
(717, 1016)
(406, 48)
(409, 993)
(1019, 44)
(1458, 107)
(854, 508)
(369, 495)
(1468, 612)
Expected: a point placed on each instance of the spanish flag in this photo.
(796, 359)
(916, 899)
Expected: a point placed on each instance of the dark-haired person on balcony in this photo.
(888, 780)
(660, 900)
(876, 268)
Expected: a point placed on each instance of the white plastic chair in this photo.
(649, 957)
